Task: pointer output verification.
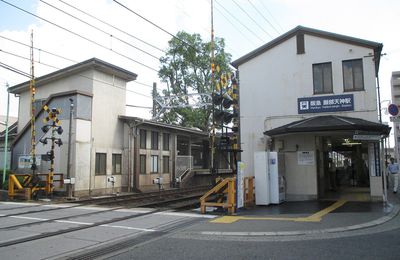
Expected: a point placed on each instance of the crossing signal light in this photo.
(217, 99)
(224, 116)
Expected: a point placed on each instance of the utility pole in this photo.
(154, 99)
(71, 112)
(6, 138)
(33, 132)
(212, 90)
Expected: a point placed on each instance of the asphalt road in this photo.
(377, 242)
(382, 245)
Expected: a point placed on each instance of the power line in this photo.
(265, 18)
(234, 26)
(266, 9)
(114, 27)
(81, 75)
(59, 56)
(139, 106)
(15, 70)
(251, 18)
(76, 34)
(234, 17)
(157, 26)
(38, 49)
(101, 30)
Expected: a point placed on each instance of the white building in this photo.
(309, 94)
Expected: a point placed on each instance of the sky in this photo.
(135, 43)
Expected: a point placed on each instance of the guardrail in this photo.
(225, 193)
(29, 185)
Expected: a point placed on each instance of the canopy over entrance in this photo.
(331, 123)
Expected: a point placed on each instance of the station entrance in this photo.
(345, 167)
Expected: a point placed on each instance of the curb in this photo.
(393, 213)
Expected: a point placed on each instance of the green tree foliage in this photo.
(186, 68)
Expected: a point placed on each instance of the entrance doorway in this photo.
(344, 163)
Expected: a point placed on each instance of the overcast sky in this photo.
(245, 25)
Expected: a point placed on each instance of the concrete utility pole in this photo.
(71, 112)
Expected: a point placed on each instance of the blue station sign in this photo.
(321, 104)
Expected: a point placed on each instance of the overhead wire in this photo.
(273, 18)
(234, 17)
(251, 18)
(265, 18)
(38, 49)
(81, 75)
(15, 70)
(80, 36)
(234, 26)
(112, 26)
(203, 28)
(101, 30)
(62, 57)
(157, 26)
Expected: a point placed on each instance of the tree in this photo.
(186, 68)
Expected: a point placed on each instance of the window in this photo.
(165, 164)
(154, 163)
(100, 168)
(322, 78)
(154, 140)
(165, 141)
(300, 43)
(353, 76)
(142, 164)
(142, 139)
(116, 163)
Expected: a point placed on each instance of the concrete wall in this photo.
(81, 82)
(107, 131)
(301, 180)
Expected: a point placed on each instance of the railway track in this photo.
(119, 215)
(163, 198)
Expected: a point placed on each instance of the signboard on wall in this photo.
(25, 161)
(240, 185)
(305, 158)
(333, 103)
(374, 159)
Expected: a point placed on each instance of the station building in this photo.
(104, 141)
(312, 96)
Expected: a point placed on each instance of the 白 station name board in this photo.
(333, 103)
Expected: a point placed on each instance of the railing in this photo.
(225, 193)
(183, 163)
(28, 184)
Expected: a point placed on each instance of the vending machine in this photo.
(276, 175)
(269, 168)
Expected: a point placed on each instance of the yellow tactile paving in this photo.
(316, 217)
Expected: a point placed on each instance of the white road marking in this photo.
(74, 222)
(129, 228)
(19, 203)
(133, 211)
(58, 205)
(30, 218)
(181, 214)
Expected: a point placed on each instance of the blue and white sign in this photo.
(321, 104)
